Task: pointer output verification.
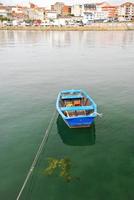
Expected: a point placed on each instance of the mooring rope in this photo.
(37, 155)
(99, 114)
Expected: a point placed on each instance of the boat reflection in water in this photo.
(76, 136)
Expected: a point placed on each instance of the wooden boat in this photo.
(76, 108)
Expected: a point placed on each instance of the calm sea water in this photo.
(34, 67)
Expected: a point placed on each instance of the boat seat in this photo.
(81, 112)
(72, 97)
(75, 108)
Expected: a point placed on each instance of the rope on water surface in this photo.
(37, 155)
(99, 114)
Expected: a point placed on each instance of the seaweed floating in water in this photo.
(63, 164)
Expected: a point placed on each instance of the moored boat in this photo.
(76, 108)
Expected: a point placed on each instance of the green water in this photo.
(34, 67)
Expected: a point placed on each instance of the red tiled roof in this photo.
(101, 3)
(127, 3)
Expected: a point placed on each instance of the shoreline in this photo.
(93, 27)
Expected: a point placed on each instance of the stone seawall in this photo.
(91, 27)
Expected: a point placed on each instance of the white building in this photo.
(100, 14)
(51, 14)
(60, 22)
(88, 12)
(76, 10)
(93, 12)
(87, 17)
(36, 14)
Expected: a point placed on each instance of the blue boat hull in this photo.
(79, 122)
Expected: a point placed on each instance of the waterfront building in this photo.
(112, 11)
(70, 20)
(126, 11)
(76, 10)
(66, 10)
(107, 11)
(18, 12)
(3, 11)
(36, 14)
(100, 15)
(58, 6)
(51, 14)
(88, 12)
(87, 17)
(60, 22)
(88, 7)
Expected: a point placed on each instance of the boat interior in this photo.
(75, 101)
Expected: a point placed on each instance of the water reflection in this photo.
(59, 39)
(68, 38)
(75, 137)
(12, 38)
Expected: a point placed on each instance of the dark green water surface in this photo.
(34, 67)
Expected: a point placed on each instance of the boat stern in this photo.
(79, 122)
